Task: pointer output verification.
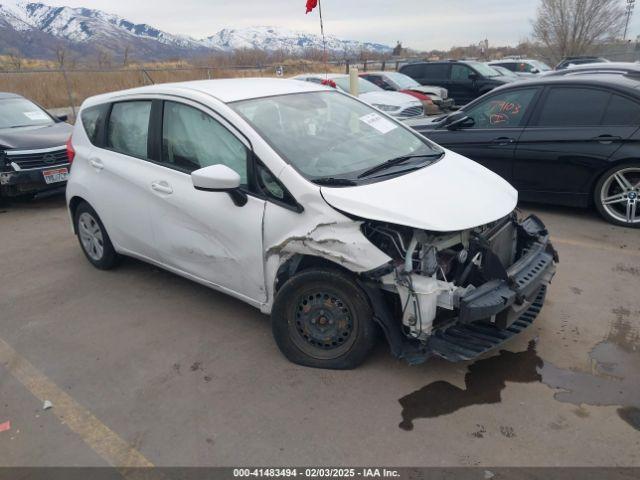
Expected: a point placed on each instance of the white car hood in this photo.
(453, 194)
(390, 98)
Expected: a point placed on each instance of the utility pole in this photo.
(630, 5)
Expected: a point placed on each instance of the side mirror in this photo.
(474, 76)
(63, 118)
(458, 121)
(219, 178)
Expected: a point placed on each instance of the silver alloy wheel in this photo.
(91, 236)
(620, 195)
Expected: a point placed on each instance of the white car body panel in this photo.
(453, 194)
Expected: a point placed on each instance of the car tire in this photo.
(321, 318)
(617, 195)
(94, 239)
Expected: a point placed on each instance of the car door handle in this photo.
(96, 163)
(606, 139)
(162, 187)
(503, 141)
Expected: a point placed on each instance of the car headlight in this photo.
(386, 108)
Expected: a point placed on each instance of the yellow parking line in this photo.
(599, 246)
(104, 441)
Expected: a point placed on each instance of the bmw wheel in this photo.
(617, 195)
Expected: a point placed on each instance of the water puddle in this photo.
(614, 379)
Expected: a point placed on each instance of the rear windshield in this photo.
(20, 112)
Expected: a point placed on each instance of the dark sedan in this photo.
(571, 140)
(33, 152)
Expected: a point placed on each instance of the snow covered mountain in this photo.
(37, 30)
(273, 39)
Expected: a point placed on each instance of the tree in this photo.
(15, 58)
(573, 27)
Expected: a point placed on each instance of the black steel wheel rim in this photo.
(323, 325)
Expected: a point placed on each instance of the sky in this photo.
(419, 24)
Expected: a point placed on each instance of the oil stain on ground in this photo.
(613, 381)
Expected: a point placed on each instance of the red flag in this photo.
(311, 4)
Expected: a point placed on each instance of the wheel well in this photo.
(594, 183)
(300, 262)
(73, 206)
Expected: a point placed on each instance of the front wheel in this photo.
(617, 195)
(322, 319)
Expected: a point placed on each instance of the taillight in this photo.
(71, 153)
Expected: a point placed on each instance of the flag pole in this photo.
(324, 41)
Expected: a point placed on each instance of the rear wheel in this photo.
(94, 239)
(617, 195)
(322, 319)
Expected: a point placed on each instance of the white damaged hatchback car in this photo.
(315, 208)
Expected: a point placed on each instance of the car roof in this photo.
(5, 95)
(226, 90)
(624, 82)
(322, 75)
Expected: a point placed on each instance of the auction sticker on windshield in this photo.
(55, 176)
(381, 124)
(35, 115)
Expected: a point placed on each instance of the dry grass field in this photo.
(49, 88)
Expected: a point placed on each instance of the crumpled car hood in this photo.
(35, 137)
(452, 194)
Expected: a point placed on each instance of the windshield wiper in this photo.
(332, 181)
(20, 126)
(397, 161)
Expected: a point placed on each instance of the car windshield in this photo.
(364, 86)
(543, 67)
(402, 80)
(484, 70)
(328, 134)
(505, 72)
(20, 112)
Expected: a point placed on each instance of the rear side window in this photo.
(128, 129)
(438, 71)
(622, 111)
(414, 71)
(573, 107)
(92, 121)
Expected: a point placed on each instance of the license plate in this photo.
(55, 176)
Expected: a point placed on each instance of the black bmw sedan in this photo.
(33, 151)
(572, 140)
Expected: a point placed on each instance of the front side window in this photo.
(378, 81)
(460, 72)
(328, 134)
(573, 107)
(20, 112)
(128, 129)
(192, 139)
(622, 111)
(504, 110)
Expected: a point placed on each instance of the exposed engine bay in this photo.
(440, 279)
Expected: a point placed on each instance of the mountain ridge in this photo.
(36, 29)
